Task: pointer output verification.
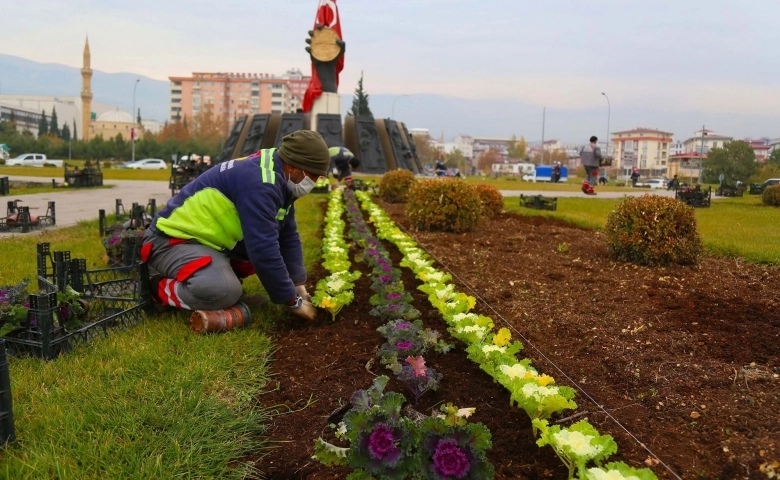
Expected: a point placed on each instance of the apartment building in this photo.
(232, 95)
(704, 140)
(644, 148)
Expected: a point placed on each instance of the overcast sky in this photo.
(714, 56)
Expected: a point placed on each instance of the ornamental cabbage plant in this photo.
(452, 449)
(619, 471)
(577, 445)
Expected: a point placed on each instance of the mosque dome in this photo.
(116, 116)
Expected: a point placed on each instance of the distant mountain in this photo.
(25, 77)
(438, 113)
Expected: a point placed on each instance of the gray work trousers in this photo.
(194, 276)
(591, 175)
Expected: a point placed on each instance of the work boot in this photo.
(154, 283)
(253, 301)
(218, 321)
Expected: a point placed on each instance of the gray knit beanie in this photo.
(305, 149)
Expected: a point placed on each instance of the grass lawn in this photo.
(108, 173)
(734, 227)
(154, 401)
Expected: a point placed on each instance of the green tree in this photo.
(54, 127)
(43, 124)
(360, 101)
(455, 159)
(138, 117)
(75, 132)
(65, 132)
(774, 157)
(517, 148)
(736, 161)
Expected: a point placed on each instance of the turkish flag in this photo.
(328, 16)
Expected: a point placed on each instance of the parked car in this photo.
(771, 181)
(147, 164)
(32, 160)
(653, 183)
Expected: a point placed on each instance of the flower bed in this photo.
(533, 392)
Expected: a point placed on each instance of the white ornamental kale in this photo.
(459, 317)
(533, 390)
(599, 474)
(336, 285)
(517, 370)
(579, 444)
(487, 349)
(475, 329)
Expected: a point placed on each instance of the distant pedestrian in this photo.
(556, 172)
(673, 183)
(603, 179)
(590, 156)
(634, 177)
(441, 168)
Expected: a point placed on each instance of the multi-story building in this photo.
(704, 140)
(232, 95)
(676, 148)
(644, 148)
(465, 143)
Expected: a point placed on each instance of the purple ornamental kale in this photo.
(450, 460)
(386, 278)
(404, 345)
(402, 326)
(381, 444)
(393, 296)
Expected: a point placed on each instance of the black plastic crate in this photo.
(113, 298)
(7, 432)
(5, 186)
(539, 202)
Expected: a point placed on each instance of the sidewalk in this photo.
(73, 206)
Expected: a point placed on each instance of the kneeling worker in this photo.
(342, 161)
(235, 220)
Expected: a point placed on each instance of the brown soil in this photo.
(686, 359)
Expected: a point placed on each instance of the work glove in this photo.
(305, 311)
(301, 290)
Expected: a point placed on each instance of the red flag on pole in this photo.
(328, 16)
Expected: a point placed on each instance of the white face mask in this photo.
(300, 189)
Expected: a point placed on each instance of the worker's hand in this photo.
(306, 311)
(301, 290)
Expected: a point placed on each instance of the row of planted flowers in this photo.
(495, 353)
(335, 291)
(386, 439)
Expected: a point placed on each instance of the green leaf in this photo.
(329, 454)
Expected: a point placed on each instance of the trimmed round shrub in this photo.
(653, 230)
(491, 198)
(395, 184)
(449, 205)
(771, 195)
(106, 164)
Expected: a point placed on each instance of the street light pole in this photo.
(701, 154)
(544, 112)
(132, 114)
(609, 112)
(392, 115)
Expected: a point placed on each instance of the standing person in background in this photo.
(590, 156)
(634, 177)
(556, 175)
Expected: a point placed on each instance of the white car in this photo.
(148, 164)
(653, 183)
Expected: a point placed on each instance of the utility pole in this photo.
(701, 154)
(132, 114)
(544, 111)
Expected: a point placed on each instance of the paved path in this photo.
(628, 193)
(74, 206)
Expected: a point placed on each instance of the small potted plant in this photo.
(115, 245)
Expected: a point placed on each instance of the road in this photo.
(73, 206)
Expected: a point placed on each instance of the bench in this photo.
(756, 189)
(539, 202)
(726, 190)
(18, 216)
(695, 197)
(89, 176)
